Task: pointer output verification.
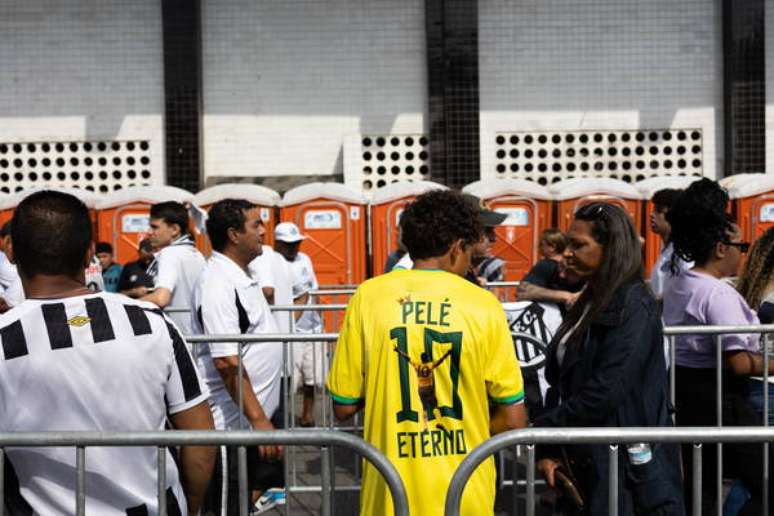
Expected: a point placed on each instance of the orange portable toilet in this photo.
(571, 194)
(123, 216)
(386, 206)
(753, 204)
(265, 198)
(528, 206)
(648, 187)
(8, 202)
(332, 216)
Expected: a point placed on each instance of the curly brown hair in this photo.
(758, 273)
(435, 220)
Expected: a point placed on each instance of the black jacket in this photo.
(616, 376)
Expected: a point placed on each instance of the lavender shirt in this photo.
(698, 299)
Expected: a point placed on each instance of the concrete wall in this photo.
(81, 71)
(550, 65)
(286, 81)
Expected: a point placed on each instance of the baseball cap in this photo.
(486, 217)
(288, 232)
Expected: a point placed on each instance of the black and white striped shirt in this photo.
(95, 362)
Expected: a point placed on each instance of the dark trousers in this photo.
(695, 393)
(223, 493)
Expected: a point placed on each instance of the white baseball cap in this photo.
(288, 232)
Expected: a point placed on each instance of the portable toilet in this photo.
(387, 204)
(123, 216)
(264, 198)
(572, 194)
(752, 199)
(528, 206)
(8, 202)
(648, 187)
(332, 217)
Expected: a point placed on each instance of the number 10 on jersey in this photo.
(425, 373)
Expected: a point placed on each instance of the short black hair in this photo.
(171, 212)
(226, 214)
(103, 247)
(51, 234)
(664, 199)
(435, 220)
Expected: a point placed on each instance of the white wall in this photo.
(285, 81)
(600, 64)
(74, 70)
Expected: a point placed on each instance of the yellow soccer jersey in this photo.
(426, 351)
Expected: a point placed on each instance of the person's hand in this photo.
(4, 306)
(267, 451)
(571, 299)
(547, 467)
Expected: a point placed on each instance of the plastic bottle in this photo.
(639, 453)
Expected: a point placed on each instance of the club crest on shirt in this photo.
(78, 321)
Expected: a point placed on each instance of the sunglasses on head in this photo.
(742, 246)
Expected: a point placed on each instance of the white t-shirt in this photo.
(661, 274)
(177, 268)
(228, 301)
(260, 268)
(272, 270)
(94, 278)
(100, 362)
(405, 262)
(10, 283)
(304, 278)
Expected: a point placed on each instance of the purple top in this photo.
(698, 299)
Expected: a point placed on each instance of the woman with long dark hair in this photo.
(702, 232)
(607, 365)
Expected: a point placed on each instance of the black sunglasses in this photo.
(742, 246)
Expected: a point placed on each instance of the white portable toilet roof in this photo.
(90, 199)
(336, 191)
(748, 187)
(489, 188)
(728, 181)
(582, 186)
(256, 194)
(394, 191)
(647, 187)
(148, 194)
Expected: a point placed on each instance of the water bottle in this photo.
(639, 453)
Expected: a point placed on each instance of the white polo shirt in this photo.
(177, 268)
(99, 362)
(304, 278)
(229, 301)
(271, 269)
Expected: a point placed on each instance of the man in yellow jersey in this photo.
(423, 352)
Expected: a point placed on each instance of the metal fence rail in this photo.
(610, 436)
(241, 439)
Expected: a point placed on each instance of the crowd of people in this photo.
(60, 293)
(424, 352)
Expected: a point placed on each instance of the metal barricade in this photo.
(610, 436)
(241, 439)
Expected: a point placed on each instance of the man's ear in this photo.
(89, 256)
(456, 250)
(232, 234)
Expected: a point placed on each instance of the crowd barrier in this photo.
(610, 436)
(241, 439)
(325, 339)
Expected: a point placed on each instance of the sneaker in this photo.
(268, 500)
